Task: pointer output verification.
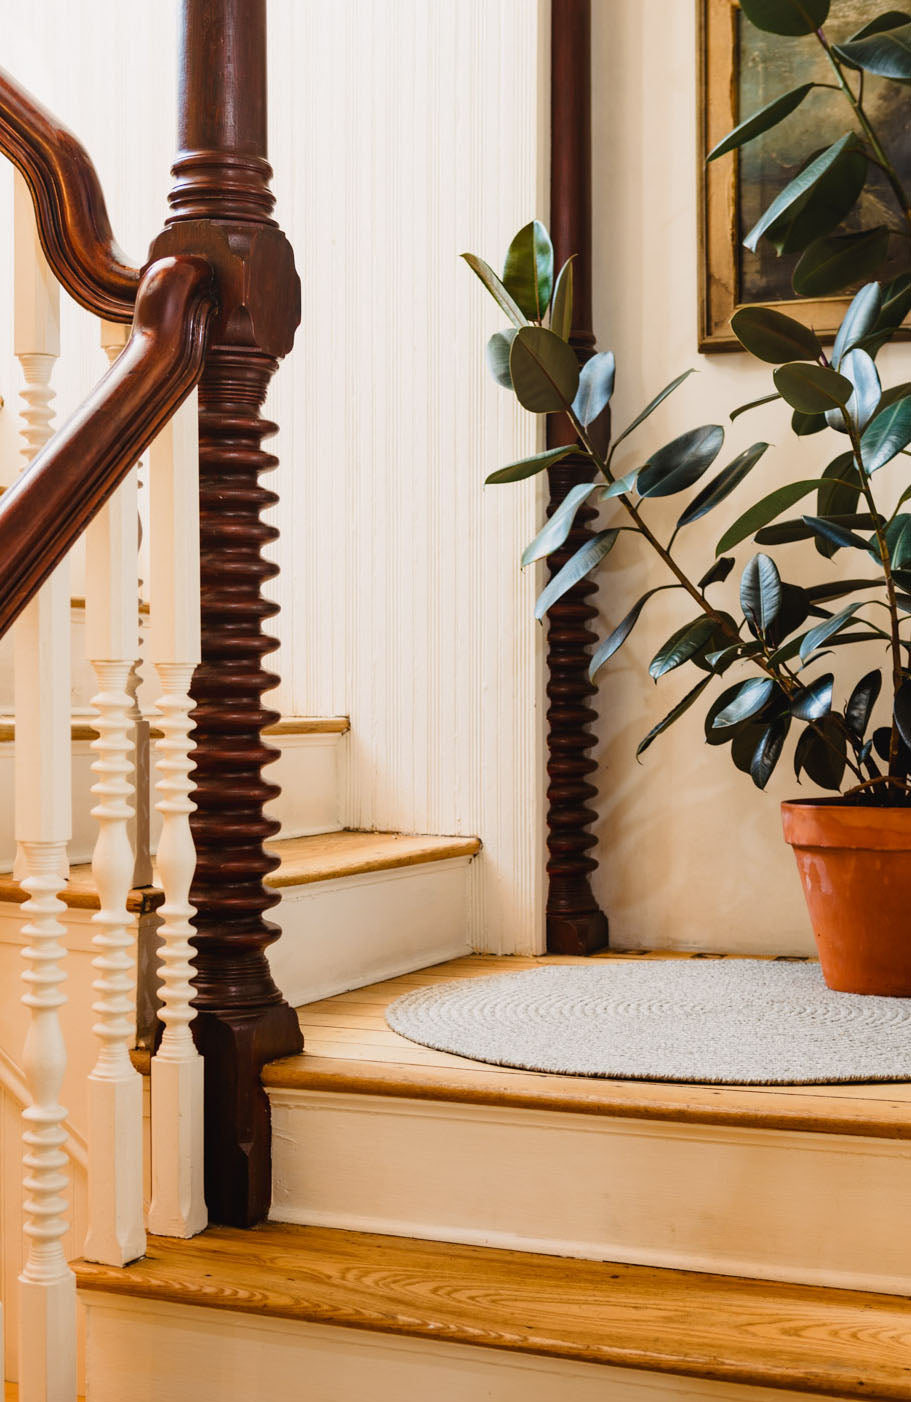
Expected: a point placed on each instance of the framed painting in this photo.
(741, 68)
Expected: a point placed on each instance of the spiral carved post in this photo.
(575, 923)
(221, 208)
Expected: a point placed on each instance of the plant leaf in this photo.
(768, 751)
(840, 535)
(681, 462)
(576, 568)
(760, 593)
(799, 188)
(554, 533)
(498, 348)
(764, 511)
(544, 370)
(529, 467)
(811, 388)
(621, 486)
(786, 16)
(827, 629)
(822, 593)
(496, 289)
(673, 715)
(886, 435)
(528, 272)
(561, 312)
(596, 385)
(822, 208)
(815, 700)
(717, 573)
(861, 702)
(859, 368)
(821, 753)
(858, 321)
(805, 424)
(773, 337)
(652, 405)
(902, 711)
(615, 640)
(685, 643)
(837, 496)
(763, 120)
(896, 303)
(753, 404)
(750, 697)
(890, 19)
(721, 486)
(886, 53)
(838, 260)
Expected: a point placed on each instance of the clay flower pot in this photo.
(855, 865)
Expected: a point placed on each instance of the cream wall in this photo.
(691, 853)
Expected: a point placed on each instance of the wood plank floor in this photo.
(840, 1343)
(350, 1048)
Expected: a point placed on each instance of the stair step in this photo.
(793, 1183)
(618, 1317)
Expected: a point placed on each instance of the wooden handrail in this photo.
(45, 511)
(70, 210)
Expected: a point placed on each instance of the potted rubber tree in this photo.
(760, 659)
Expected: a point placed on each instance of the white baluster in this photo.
(178, 1206)
(116, 1232)
(47, 1302)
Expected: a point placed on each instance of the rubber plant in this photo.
(776, 639)
(807, 216)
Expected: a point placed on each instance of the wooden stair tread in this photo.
(350, 1049)
(840, 1343)
(323, 857)
(82, 727)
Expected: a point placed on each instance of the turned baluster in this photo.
(178, 1201)
(47, 1287)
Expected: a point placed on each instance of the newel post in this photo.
(221, 208)
(575, 923)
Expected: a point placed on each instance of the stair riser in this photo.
(356, 930)
(814, 1209)
(153, 1352)
(307, 771)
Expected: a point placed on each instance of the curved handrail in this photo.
(48, 507)
(69, 205)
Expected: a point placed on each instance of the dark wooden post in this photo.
(221, 208)
(575, 924)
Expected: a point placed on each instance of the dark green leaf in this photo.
(750, 697)
(784, 533)
(887, 54)
(821, 208)
(786, 16)
(898, 539)
(821, 593)
(810, 388)
(721, 660)
(882, 738)
(621, 486)
(837, 496)
(896, 303)
(496, 289)
(839, 535)
(796, 193)
(793, 613)
(652, 405)
(680, 463)
(890, 19)
(561, 312)
(685, 643)
(765, 511)
(554, 533)
(528, 272)
(760, 593)
(768, 751)
(826, 630)
(861, 702)
(805, 424)
(886, 435)
(577, 567)
(787, 651)
(596, 385)
(774, 337)
(673, 715)
(753, 404)
(498, 348)
(902, 579)
(528, 467)
(832, 263)
(744, 741)
(894, 393)
(615, 640)
(721, 486)
(902, 711)
(821, 753)
(763, 120)
(544, 370)
(717, 573)
(815, 700)
(858, 321)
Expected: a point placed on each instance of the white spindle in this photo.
(178, 1206)
(47, 1303)
(116, 1232)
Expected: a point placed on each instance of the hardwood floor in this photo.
(349, 1047)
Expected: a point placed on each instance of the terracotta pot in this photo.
(855, 865)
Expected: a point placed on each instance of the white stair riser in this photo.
(307, 770)
(355, 930)
(815, 1209)
(156, 1352)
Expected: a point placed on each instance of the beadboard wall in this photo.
(402, 132)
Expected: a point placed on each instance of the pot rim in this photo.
(833, 823)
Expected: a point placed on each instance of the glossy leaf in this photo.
(902, 711)
(826, 630)
(668, 720)
(681, 462)
(496, 289)
(838, 588)
(810, 388)
(768, 751)
(793, 613)
(763, 120)
(721, 486)
(861, 702)
(837, 496)
(529, 467)
(561, 312)
(720, 660)
(498, 348)
(886, 53)
(621, 486)
(717, 573)
(858, 321)
(839, 535)
(744, 741)
(553, 534)
(896, 303)
(813, 701)
(615, 640)
(890, 19)
(528, 271)
(821, 208)
(764, 511)
(544, 370)
(786, 16)
(783, 533)
(803, 425)
(753, 404)
(577, 567)
(596, 385)
(750, 697)
(685, 643)
(652, 405)
(858, 367)
(838, 260)
(821, 753)
(799, 189)
(760, 593)
(773, 337)
(886, 435)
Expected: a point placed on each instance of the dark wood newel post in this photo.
(221, 208)
(575, 924)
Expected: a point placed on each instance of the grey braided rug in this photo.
(726, 1021)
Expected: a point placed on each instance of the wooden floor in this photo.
(348, 1047)
(839, 1343)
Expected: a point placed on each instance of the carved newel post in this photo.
(221, 208)
(575, 924)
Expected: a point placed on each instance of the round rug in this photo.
(727, 1021)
